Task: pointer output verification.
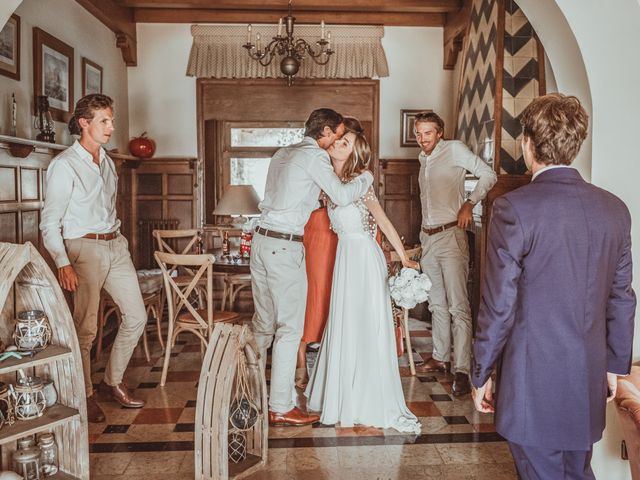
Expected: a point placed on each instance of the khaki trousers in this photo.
(279, 285)
(106, 264)
(445, 259)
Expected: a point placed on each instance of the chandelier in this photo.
(292, 50)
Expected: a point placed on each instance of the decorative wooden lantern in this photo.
(232, 421)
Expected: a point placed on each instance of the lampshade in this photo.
(238, 200)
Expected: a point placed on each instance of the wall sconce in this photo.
(43, 121)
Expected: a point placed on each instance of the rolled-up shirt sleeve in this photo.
(58, 194)
(322, 173)
(468, 160)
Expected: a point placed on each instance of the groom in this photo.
(278, 275)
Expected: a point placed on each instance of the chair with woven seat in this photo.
(394, 258)
(183, 316)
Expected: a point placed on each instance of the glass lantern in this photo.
(32, 331)
(26, 459)
(48, 454)
(29, 401)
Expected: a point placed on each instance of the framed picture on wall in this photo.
(407, 122)
(91, 77)
(53, 73)
(10, 48)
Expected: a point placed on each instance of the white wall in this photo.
(72, 24)
(416, 81)
(162, 98)
(608, 77)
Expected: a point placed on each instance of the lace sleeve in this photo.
(369, 196)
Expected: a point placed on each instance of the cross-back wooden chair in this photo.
(183, 316)
(233, 282)
(394, 258)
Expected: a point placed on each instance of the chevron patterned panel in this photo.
(520, 84)
(476, 123)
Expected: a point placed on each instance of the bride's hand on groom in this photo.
(408, 263)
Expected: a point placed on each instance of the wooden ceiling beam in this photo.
(455, 29)
(154, 15)
(407, 6)
(120, 20)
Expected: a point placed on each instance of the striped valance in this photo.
(217, 52)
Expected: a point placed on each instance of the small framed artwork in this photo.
(53, 73)
(10, 48)
(407, 122)
(91, 77)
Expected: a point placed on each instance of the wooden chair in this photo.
(183, 316)
(233, 282)
(413, 254)
(153, 306)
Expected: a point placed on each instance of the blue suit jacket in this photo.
(557, 309)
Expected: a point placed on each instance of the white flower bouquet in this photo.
(409, 287)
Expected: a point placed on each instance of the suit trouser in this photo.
(279, 285)
(445, 260)
(539, 463)
(106, 264)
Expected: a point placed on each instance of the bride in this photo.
(356, 378)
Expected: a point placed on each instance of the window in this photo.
(249, 149)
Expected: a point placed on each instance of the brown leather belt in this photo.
(282, 236)
(101, 236)
(441, 228)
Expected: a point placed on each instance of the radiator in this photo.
(146, 242)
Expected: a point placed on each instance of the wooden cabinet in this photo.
(26, 283)
(163, 195)
(399, 195)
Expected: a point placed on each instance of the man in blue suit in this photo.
(557, 311)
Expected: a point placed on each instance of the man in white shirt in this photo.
(445, 251)
(278, 273)
(80, 230)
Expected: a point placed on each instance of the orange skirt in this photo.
(320, 243)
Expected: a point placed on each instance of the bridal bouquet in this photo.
(409, 287)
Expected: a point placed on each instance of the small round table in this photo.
(232, 263)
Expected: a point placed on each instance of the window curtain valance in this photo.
(217, 52)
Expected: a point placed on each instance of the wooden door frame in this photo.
(262, 84)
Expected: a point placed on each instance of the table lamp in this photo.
(238, 200)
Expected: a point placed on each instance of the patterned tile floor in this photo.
(157, 441)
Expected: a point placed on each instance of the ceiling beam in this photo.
(154, 15)
(120, 20)
(455, 29)
(406, 6)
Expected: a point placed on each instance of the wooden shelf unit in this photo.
(26, 282)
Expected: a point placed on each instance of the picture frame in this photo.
(407, 122)
(53, 73)
(91, 77)
(10, 48)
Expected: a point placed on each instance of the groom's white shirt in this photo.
(296, 175)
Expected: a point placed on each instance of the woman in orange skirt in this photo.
(320, 243)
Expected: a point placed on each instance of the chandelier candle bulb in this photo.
(249, 34)
(322, 29)
(280, 27)
(258, 42)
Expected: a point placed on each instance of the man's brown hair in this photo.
(431, 117)
(85, 108)
(557, 125)
(320, 118)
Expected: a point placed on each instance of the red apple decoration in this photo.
(142, 146)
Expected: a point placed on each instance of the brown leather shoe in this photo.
(293, 418)
(461, 385)
(432, 365)
(121, 394)
(94, 412)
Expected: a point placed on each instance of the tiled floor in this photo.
(157, 441)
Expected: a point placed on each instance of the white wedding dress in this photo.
(356, 378)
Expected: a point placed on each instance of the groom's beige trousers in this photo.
(279, 283)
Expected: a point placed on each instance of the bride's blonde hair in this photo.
(359, 159)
